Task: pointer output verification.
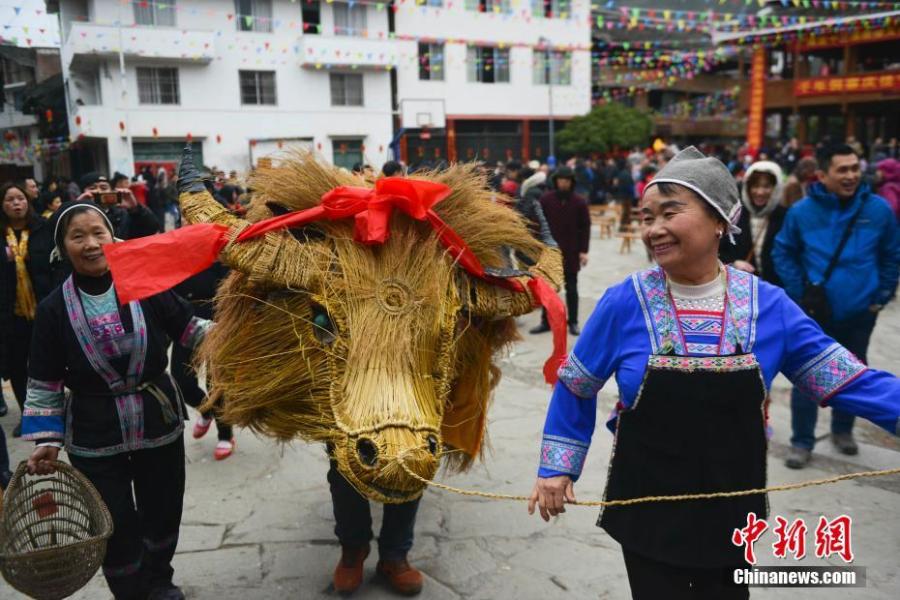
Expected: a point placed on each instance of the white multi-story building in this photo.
(245, 78)
(241, 78)
(496, 64)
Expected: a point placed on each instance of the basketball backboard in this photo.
(422, 113)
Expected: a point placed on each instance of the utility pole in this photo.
(123, 81)
(548, 73)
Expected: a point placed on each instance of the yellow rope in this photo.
(675, 498)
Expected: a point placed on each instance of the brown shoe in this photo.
(402, 577)
(349, 571)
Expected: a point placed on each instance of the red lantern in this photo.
(319, 146)
(190, 138)
(155, 132)
(48, 114)
(9, 135)
(122, 126)
(218, 139)
(78, 120)
(253, 143)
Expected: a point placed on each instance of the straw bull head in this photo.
(383, 351)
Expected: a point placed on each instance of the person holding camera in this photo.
(129, 218)
(837, 256)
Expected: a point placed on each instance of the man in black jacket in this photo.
(129, 218)
(570, 223)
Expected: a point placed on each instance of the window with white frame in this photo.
(155, 13)
(158, 85)
(551, 9)
(349, 19)
(431, 61)
(487, 64)
(257, 87)
(253, 15)
(346, 89)
(552, 66)
(495, 6)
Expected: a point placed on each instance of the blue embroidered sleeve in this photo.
(827, 373)
(43, 417)
(572, 413)
(567, 433)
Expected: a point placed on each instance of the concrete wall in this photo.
(210, 103)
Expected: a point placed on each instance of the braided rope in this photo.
(645, 499)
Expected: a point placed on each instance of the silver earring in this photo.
(719, 234)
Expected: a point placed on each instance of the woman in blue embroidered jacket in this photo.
(122, 425)
(693, 346)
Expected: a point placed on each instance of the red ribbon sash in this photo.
(146, 266)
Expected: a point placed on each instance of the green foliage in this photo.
(606, 127)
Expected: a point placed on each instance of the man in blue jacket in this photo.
(863, 281)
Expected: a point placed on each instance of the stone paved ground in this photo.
(259, 525)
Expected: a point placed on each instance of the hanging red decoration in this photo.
(381, 148)
(253, 143)
(122, 126)
(155, 132)
(9, 135)
(78, 120)
(48, 114)
(218, 138)
(190, 137)
(319, 146)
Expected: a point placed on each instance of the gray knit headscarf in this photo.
(708, 178)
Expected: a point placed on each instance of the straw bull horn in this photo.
(494, 302)
(276, 257)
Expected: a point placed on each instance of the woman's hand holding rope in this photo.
(551, 494)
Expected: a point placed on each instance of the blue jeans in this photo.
(853, 334)
(353, 519)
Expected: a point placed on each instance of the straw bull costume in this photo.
(366, 318)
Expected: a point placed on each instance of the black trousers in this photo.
(353, 519)
(18, 347)
(571, 279)
(650, 580)
(144, 491)
(571, 283)
(194, 396)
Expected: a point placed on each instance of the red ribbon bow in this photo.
(146, 266)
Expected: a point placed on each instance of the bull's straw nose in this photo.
(414, 466)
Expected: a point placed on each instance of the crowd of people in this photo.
(809, 225)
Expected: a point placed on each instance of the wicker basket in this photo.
(53, 532)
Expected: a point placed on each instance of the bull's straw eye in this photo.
(323, 327)
(367, 451)
(432, 445)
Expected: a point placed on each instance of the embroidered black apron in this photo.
(697, 425)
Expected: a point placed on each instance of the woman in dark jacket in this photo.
(760, 222)
(25, 246)
(122, 424)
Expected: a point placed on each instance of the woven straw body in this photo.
(53, 532)
(385, 352)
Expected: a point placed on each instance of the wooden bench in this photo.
(607, 226)
(627, 237)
